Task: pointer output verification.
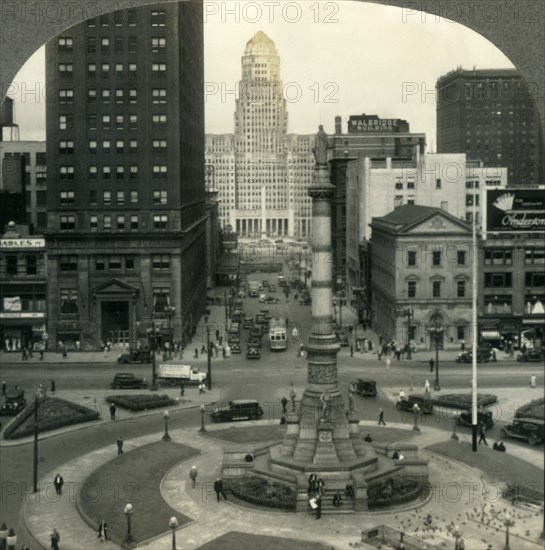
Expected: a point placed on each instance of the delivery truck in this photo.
(175, 373)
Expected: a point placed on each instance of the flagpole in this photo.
(475, 335)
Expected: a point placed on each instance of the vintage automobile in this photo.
(240, 409)
(127, 380)
(235, 348)
(134, 357)
(271, 300)
(465, 418)
(483, 356)
(365, 388)
(423, 401)
(253, 353)
(15, 403)
(254, 342)
(530, 429)
(248, 322)
(531, 355)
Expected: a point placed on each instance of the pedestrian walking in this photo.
(55, 539)
(224, 352)
(193, 476)
(217, 334)
(532, 381)
(482, 434)
(58, 482)
(182, 389)
(113, 410)
(318, 507)
(203, 349)
(379, 353)
(29, 352)
(381, 417)
(119, 446)
(284, 402)
(11, 539)
(312, 480)
(24, 354)
(65, 351)
(218, 487)
(432, 364)
(463, 345)
(427, 386)
(201, 388)
(102, 532)
(388, 363)
(351, 351)
(320, 486)
(196, 356)
(4, 386)
(53, 386)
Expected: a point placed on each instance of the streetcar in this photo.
(278, 338)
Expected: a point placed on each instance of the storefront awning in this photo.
(490, 335)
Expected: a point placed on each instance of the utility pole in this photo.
(209, 359)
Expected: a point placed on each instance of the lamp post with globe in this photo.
(128, 511)
(507, 522)
(166, 416)
(173, 524)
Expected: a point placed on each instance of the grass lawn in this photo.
(235, 541)
(380, 434)
(499, 467)
(134, 477)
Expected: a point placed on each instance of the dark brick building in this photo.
(126, 187)
(489, 114)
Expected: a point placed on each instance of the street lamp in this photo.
(169, 310)
(173, 524)
(457, 534)
(166, 436)
(128, 512)
(437, 332)
(416, 411)
(203, 411)
(208, 358)
(508, 522)
(37, 396)
(409, 312)
(152, 336)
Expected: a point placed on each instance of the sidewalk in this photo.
(212, 519)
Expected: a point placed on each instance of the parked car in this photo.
(530, 429)
(248, 322)
(235, 348)
(423, 401)
(127, 380)
(483, 356)
(271, 300)
(531, 355)
(15, 403)
(365, 388)
(253, 353)
(134, 357)
(254, 343)
(240, 409)
(255, 332)
(465, 418)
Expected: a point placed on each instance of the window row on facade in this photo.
(67, 222)
(66, 122)
(105, 69)
(436, 289)
(115, 262)
(67, 147)
(68, 172)
(159, 197)
(438, 257)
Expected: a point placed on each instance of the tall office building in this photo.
(490, 115)
(262, 172)
(126, 184)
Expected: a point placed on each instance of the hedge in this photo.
(259, 491)
(76, 415)
(534, 409)
(141, 402)
(463, 400)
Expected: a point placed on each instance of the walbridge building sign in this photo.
(515, 210)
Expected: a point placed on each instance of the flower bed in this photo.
(463, 400)
(534, 409)
(141, 402)
(393, 492)
(53, 413)
(260, 492)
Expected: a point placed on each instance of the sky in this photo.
(337, 58)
